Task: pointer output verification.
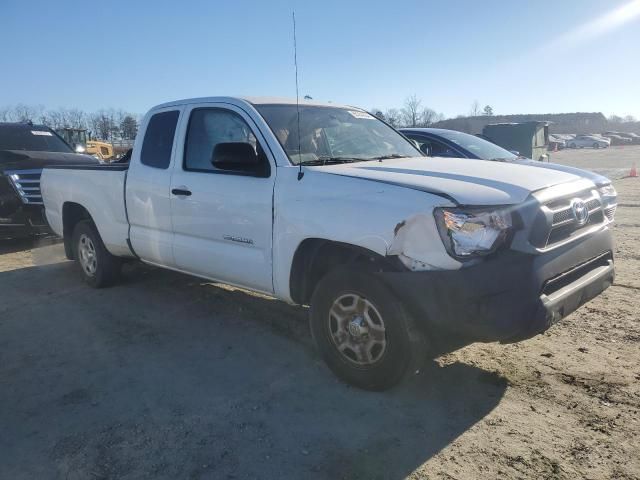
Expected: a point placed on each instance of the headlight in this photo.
(467, 234)
(609, 198)
(607, 191)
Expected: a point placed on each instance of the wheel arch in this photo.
(72, 214)
(315, 257)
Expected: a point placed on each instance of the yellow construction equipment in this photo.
(101, 150)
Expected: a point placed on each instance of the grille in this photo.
(27, 184)
(561, 222)
(610, 212)
(563, 216)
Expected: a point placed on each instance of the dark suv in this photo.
(24, 149)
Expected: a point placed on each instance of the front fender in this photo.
(354, 211)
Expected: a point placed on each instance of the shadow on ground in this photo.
(12, 245)
(164, 377)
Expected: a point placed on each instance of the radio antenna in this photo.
(295, 62)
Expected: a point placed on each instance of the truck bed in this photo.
(97, 188)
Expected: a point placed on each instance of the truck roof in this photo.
(252, 101)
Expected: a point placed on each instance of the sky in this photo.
(518, 56)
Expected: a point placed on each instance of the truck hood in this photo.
(23, 159)
(478, 182)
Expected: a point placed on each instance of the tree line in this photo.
(104, 124)
(414, 113)
(117, 124)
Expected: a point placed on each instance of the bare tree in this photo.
(57, 119)
(77, 118)
(393, 117)
(128, 127)
(629, 119)
(101, 124)
(411, 111)
(475, 109)
(428, 117)
(488, 111)
(26, 113)
(5, 114)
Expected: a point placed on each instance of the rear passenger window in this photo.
(158, 139)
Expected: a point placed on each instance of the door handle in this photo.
(181, 192)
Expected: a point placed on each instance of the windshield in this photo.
(75, 137)
(332, 133)
(31, 138)
(481, 148)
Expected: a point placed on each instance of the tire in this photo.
(596, 145)
(385, 339)
(96, 265)
(572, 145)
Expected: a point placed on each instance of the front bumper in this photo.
(512, 296)
(24, 221)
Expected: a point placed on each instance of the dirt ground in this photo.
(613, 162)
(164, 376)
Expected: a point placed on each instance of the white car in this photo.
(327, 206)
(589, 141)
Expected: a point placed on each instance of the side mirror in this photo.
(426, 149)
(236, 156)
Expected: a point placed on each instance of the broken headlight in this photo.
(468, 234)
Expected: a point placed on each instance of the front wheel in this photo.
(572, 145)
(596, 145)
(363, 332)
(97, 266)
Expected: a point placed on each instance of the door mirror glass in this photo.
(237, 156)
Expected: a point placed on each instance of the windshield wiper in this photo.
(331, 160)
(386, 157)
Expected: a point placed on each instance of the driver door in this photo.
(222, 219)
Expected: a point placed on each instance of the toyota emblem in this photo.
(580, 211)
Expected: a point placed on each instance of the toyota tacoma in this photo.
(326, 205)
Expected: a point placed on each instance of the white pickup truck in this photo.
(325, 205)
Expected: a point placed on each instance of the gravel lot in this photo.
(613, 162)
(164, 376)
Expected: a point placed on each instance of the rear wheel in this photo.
(363, 332)
(97, 266)
(572, 145)
(596, 145)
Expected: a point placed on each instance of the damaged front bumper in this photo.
(512, 295)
